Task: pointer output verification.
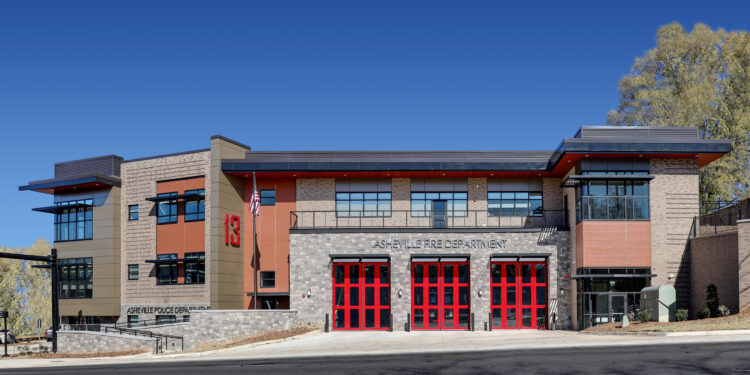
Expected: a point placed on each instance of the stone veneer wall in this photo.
(139, 179)
(674, 202)
(714, 261)
(311, 268)
(99, 342)
(743, 254)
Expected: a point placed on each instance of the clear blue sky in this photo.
(138, 78)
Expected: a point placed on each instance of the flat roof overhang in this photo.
(58, 209)
(76, 183)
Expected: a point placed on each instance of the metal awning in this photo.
(176, 197)
(359, 258)
(577, 180)
(614, 276)
(519, 257)
(173, 260)
(58, 209)
(440, 257)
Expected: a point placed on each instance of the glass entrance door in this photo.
(617, 306)
(519, 295)
(361, 296)
(440, 296)
(439, 213)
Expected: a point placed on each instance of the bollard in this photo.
(472, 322)
(390, 323)
(489, 323)
(407, 325)
(327, 328)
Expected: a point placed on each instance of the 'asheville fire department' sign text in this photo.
(440, 244)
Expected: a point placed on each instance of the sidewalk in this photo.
(317, 344)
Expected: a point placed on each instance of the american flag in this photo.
(255, 203)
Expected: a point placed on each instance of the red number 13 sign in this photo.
(232, 230)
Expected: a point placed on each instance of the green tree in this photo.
(698, 79)
(25, 291)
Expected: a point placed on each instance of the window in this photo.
(457, 203)
(195, 266)
(611, 199)
(363, 204)
(75, 223)
(267, 197)
(514, 203)
(186, 318)
(267, 279)
(166, 270)
(132, 272)
(166, 319)
(133, 212)
(166, 212)
(76, 278)
(195, 209)
(132, 321)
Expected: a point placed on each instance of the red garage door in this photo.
(519, 295)
(440, 295)
(361, 296)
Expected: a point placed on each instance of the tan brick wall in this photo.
(401, 194)
(674, 201)
(139, 237)
(714, 261)
(552, 194)
(316, 194)
(743, 254)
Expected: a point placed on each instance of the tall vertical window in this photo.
(268, 197)
(166, 212)
(195, 268)
(76, 222)
(456, 203)
(133, 212)
(514, 203)
(612, 199)
(195, 209)
(166, 269)
(132, 321)
(363, 204)
(76, 277)
(132, 272)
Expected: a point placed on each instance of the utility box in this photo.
(661, 301)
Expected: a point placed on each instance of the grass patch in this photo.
(270, 336)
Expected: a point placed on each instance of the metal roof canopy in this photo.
(577, 180)
(187, 196)
(58, 209)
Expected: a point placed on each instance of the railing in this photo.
(162, 340)
(151, 323)
(474, 219)
(720, 217)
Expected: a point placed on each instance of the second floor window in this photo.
(195, 209)
(76, 278)
(132, 272)
(268, 197)
(456, 203)
(267, 279)
(166, 270)
(75, 223)
(133, 212)
(166, 212)
(363, 204)
(610, 199)
(195, 268)
(514, 203)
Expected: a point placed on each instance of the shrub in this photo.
(723, 310)
(712, 299)
(644, 316)
(705, 313)
(681, 315)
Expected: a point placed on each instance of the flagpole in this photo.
(255, 262)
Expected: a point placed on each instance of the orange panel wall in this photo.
(272, 228)
(613, 244)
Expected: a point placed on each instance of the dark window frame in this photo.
(133, 320)
(81, 227)
(618, 202)
(264, 280)
(133, 212)
(195, 209)
(381, 200)
(130, 271)
(170, 216)
(268, 197)
(195, 268)
(169, 267)
(427, 197)
(78, 272)
(504, 197)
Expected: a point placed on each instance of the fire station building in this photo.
(378, 240)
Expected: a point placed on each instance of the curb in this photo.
(672, 334)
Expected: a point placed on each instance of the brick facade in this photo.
(714, 260)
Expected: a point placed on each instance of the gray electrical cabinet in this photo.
(661, 301)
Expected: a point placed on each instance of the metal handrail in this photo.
(161, 338)
(474, 219)
(150, 323)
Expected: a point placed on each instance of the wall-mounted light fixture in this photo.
(400, 293)
(671, 276)
(562, 291)
(309, 292)
(480, 292)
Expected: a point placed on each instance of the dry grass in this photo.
(276, 335)
(737, 321)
